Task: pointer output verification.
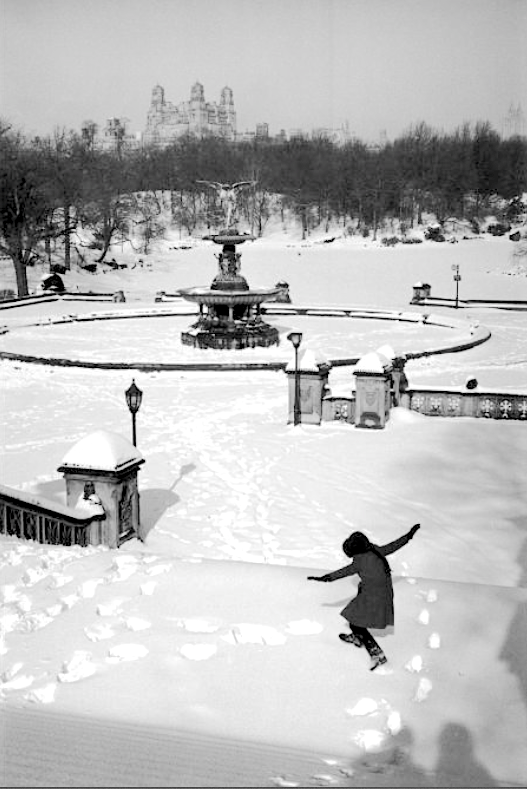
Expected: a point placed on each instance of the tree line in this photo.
(51, 186)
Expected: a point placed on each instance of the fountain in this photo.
(229, 310)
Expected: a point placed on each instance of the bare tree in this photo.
(24, 205)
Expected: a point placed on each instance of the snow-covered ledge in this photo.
(105, 464)
(34, 517)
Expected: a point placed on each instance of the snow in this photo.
(208, 631)
(103, 450)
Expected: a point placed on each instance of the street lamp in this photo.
(295, 337)
(133, 396)
(457, 279)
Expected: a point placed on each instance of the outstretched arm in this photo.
(334, 576)
(391, 547)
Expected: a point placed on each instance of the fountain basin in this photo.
(211, 297)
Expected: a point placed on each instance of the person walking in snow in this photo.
(373, 604)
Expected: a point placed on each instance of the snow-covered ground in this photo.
(203, 656)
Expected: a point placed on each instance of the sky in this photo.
(373, 64)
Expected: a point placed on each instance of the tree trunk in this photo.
(21, 275)
(67, 237)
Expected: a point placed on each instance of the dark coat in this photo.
(373, 605)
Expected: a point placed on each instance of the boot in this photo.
(378, 658)
(349, 638)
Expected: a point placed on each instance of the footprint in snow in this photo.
(365, 706)
(70, 600)
(43, 695)
(158, 569)
(23, 604)
(424, 617)
(415, 665)
(99, 632)
(423, 690)
(79, 667)
(394, 723)
(18, 682)
(434, 641)
(247, 633)
(279, 780)
(369, 739)
(135, 623)
(10, 672)
(197, 625)
(33, 576)
(110, 608)
(9, 593)
(148, 588)
(58, 580)
(430, 596)
(87, 589)
(36, 621)
(127, 652)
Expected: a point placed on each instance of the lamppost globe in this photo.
(295, 337)
(134, 396)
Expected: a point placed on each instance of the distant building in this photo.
(166, 121)
(336, 136)
(113, 137)
(262, 131)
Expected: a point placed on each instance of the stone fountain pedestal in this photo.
(229, 310)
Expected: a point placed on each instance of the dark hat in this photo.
(356, 543)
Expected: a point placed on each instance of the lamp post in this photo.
(295, 337)
(457, 279)
(133, 396)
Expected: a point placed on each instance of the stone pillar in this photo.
(422, 291)
(313, 371)
(283, 294)
(105, 464)
(372, 391)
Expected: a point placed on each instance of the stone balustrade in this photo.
(35, 518)
(452, 401)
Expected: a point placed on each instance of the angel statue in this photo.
(227, 192)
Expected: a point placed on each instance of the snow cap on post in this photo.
(373, 363)
(309, 362)
(102, 450)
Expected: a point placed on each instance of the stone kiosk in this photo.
(313, 372)
(373, 375)
(102, 468)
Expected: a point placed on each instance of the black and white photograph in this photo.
(263, 393)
